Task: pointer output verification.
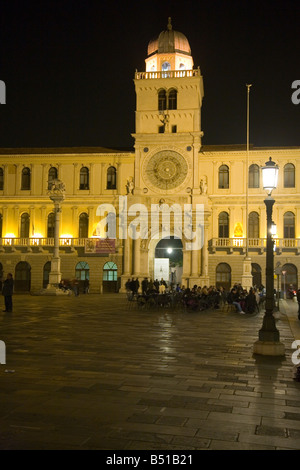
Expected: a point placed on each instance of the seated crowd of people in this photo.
(199, 298)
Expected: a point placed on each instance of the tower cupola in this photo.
(169, 51)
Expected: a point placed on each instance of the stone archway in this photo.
(154, 242)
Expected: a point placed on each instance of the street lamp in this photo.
(268, 343)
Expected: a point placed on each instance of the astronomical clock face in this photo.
(166, 170)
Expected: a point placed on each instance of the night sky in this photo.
(69, 68)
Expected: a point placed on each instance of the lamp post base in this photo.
(269, 348)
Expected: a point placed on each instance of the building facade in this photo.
(169, 169)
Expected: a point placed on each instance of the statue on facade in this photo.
(203, 185)
(130, 185)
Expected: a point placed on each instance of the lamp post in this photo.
(268, 343)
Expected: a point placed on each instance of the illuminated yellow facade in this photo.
(169, 165)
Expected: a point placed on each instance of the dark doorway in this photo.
(223, 276)
(46, 272)
(110, 278)
(23, 277)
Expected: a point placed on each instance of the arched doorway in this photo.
(22, 277)
(46, 272)
(169, 249)
(110, 278)
(256, 274)
(82, 273)
(289, 277)
(223, 276)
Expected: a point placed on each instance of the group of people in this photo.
(74, 286)
(246, 301)
(147, 286)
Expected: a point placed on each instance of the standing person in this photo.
(7, 291)
(298, 300)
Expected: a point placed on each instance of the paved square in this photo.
(94, 372)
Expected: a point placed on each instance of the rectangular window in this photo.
(174, 129)
(161, 129)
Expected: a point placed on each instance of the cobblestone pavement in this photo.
(94, 372)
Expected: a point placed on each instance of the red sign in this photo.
(100, 245)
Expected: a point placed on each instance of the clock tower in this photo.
(168, 118)
(168, 134)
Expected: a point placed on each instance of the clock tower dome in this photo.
(168, 131)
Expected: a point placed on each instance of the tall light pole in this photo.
(268, 343)
(247, 279)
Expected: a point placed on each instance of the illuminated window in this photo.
(289, 175)
(24, 226)
(25, 183)
(166, 66)
(83, 225)
(82, 271)
(223, 177)
(110, 271)
(223, 225)
(111, 178)
(84, 178)
(52, 175)
(1, 220)
(254, 176)
(289, 225)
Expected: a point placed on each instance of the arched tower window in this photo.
(162, 100)
(172, 99)
(223, 177)
(289, 175)
(111, 178)
(84, 178)
(52, 175)
(223, 225)
(25, 182)
(289, 225)
(254, 176)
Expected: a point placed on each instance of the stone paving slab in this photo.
(94, 372)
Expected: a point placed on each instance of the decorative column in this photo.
(57, 195)
(204, 271)
(126, 274)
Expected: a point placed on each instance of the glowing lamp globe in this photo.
(270, 175)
